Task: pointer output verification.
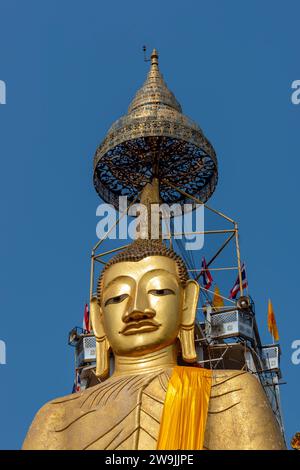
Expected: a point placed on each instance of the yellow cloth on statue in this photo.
(185, 409)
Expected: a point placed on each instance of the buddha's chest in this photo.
(122, 414)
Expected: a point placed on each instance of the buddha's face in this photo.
(141, 305)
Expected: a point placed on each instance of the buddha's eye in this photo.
(161, 292)
(116, 300)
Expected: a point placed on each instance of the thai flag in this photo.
(236, 287)
(86, 319)
(77, 383)
(205, 274)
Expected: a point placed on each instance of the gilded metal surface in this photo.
(144, 309)
(145, 303)
(295, 442)
(124, 413)
(155, 139)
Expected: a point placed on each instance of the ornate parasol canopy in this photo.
(154, 139)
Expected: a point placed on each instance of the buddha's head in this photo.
(145, 302)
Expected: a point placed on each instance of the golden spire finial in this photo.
(154, 93)
(154, 57)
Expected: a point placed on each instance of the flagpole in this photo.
(89, 320)
(246, 275)
(238, 257)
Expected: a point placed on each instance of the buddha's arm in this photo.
(40, 435)
(240, 416)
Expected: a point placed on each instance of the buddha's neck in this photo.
(156, 360)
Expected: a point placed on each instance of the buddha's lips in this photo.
(141, 326)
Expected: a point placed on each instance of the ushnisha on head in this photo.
(145, 302)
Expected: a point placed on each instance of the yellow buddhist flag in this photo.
(272, 326)
(217, 300)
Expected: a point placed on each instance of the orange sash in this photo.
(185, 409)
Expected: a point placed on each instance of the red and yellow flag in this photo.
(217, 300)
(272, 326)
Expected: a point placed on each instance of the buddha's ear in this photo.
(191, 295)
(102, 344)
(186, 333)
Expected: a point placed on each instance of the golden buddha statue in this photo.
(144, 313)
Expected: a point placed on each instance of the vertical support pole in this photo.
(169, 233)
(101, 241)
(238, 256)
(208, 323)
(92, 275)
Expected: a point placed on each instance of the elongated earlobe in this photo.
(102, 358)
(102, 344)
(186, 333)
(187, 342)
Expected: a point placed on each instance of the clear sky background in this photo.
(71, 69)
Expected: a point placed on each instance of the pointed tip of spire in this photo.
(154, 92)
(154, 57)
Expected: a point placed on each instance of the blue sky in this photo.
(71, 69)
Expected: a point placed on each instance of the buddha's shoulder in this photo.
(229, 377)
(50, 417)
(58, 411)
(58, 406)
(54, 416)
(227, 381)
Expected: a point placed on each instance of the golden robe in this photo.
(125, 413)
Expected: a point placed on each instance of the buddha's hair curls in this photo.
(141, 249)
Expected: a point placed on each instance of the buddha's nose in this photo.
(138, 315)
(138, 310)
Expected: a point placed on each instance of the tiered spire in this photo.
(154, 91)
